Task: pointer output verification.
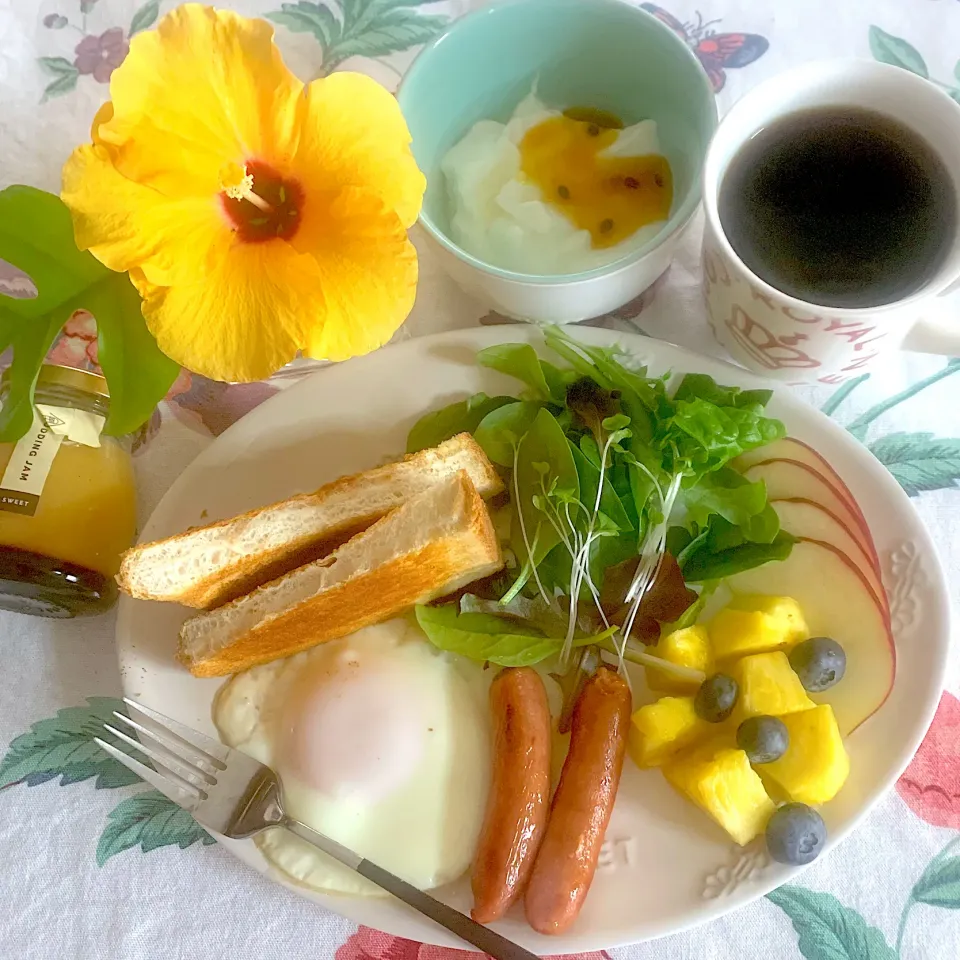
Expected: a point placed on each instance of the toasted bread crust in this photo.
(391, 588)
(247, 572)
(250, 572)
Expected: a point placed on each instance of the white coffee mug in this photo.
(789, 339)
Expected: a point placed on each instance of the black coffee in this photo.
(839, 207)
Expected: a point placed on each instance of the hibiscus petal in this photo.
(207, 87)
(243, 316)
(368, 273)
(125, 224)
(355, 135)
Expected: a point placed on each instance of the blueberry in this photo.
(819, 663)
(716, 698)
(796, 834)
(763, 739)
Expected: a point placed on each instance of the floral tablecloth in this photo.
(95, 865)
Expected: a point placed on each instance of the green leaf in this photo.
(610, 503)
(956, 71)
(545, 473)
(828, 930)
(722, 554)
(488, 638)
(394, 31)
(36, 235)
(919, 461)
(63, 746)
(520, 360)
(706, 436)
(727, 493)
(139, 375)
(499, 432)
(939, 886)
(58, 66)
(304, 17)
(360, 15)
(545, 443)
(704, 387)
(151, 820)
(145, 17)
(896, 51)
(464, 416)
(484, 637)
(60, 86)
(605, 367)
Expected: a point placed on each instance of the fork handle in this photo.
(457, 923)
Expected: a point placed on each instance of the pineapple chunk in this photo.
(727, 788)
(768, 685)
(816, 764)
(755, 624)
(658, 730)
(689, 647)
(784, 610)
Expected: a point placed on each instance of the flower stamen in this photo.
(237, 183)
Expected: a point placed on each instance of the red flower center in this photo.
(284, 198)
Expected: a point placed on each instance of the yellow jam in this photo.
(610, 197)
(87, 514)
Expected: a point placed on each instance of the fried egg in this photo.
(381, 742)
(554, 192)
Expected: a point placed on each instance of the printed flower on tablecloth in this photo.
(370, 944)
(930, 786)
(77, 345)
(96, 55)
(100, 56)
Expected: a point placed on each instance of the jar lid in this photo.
(54, 374)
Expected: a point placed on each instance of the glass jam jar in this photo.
(67, 501)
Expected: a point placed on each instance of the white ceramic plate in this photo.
(664, 866)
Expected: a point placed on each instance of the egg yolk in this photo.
(610, 197)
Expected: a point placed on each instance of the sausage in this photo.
(582, 804)
(519, 793)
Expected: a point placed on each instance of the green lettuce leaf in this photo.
(700, 386)
(521, 361)
(488, 638)
(718, 553)
(464, 416)
(727, 493)
(705, 436)
(501, 430)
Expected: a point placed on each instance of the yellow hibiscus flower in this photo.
(256, 215)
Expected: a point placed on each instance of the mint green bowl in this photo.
(596, 53)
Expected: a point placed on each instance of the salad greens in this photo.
(607, 468)
(482, 636)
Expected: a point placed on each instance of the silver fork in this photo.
(237, 796)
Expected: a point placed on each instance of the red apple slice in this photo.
(837, 601)
(813, 521)
(796, 451)
(789, 448)
(789, 480)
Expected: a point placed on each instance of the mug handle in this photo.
(939, 331)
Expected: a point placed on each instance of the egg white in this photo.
(381, 742)
(500, 218)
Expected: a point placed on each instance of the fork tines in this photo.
(184, 760)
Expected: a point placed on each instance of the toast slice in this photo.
(432, 545)
(210, 565)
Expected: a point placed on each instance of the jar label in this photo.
(33, 454)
